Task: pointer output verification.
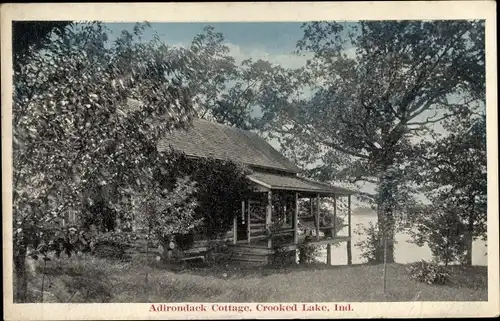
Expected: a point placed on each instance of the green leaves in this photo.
(71, 125)
(220, 186)
(453, 176)
(166, 213)
(379, 91)
(428, 272)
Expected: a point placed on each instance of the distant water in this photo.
(404, 252)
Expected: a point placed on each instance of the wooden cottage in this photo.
(277, 189)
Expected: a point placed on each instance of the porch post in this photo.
(310, 211)
(334, 232)
(235, 227)
(248, 222)
(349, 250)
(284, 209)
(269, 217)
(317, 217)
(295, 220)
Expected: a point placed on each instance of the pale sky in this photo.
(272, 41)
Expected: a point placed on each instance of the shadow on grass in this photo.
(222, 271)
(474, 277)
(197, 282)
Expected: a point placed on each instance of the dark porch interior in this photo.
(300, 212)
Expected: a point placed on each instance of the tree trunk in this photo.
(385, 215)
(21, 276)
(168, 248)
(385, 235)
(470, 231)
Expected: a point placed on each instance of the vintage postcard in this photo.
(250, 160)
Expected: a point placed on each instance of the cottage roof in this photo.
(270, 168)
(208, 139)
(295, 183)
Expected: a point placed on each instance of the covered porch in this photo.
(293, 210)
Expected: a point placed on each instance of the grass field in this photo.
(89, 279)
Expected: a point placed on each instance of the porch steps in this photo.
(249, 254)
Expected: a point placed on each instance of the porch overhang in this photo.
(274, 181)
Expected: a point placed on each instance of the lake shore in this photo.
(404, 252)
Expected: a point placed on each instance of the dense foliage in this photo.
(454, 178)
(308, 253)
(220, 187)
(167, 213)
(441, 229)
(428, 272)
(27, 35)
(76, 126)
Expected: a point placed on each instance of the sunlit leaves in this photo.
(400, 70)
(74, 127)
(212, 68)
(165, 213)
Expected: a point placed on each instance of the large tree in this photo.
(256, 84)
(453, 176)
(224, 91)
(86, 114)
(232, 93)
(378, 89)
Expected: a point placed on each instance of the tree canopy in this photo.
(376, 94)
(87, 115)
(452, 174)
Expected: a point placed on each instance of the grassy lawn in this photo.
(90, 279)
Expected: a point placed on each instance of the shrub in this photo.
(443, 230)
(428, 272)
(281, 257)
(308, 253)
(216, 254)
(167, 212)
(370, 246)
(113, 245)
